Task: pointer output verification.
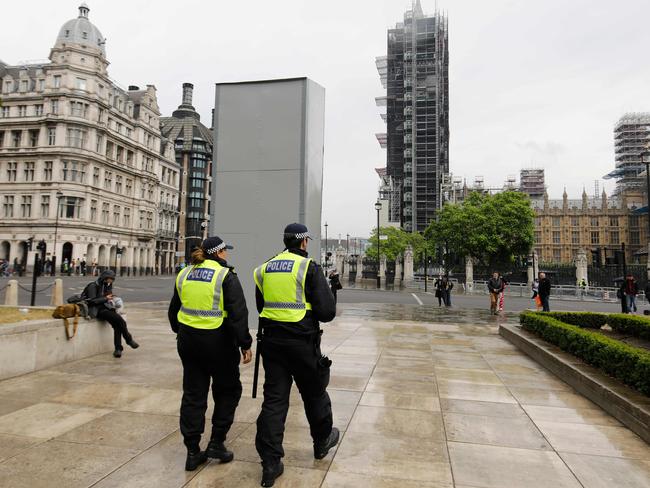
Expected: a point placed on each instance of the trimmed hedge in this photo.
(631, 325)
(585, 320)
(624, 362)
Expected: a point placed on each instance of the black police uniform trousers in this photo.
(119, 327)
(208, 355)
(287, 357)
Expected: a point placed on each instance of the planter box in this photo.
(30, 346)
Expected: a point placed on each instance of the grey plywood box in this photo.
(267, 170)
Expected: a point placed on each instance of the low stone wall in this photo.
(30, 346)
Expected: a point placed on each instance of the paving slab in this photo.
(424, 398)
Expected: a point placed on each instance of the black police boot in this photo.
(117, 353)
(216, 450)
(321, 448)
(195, 459)
(133, 344)
(271, 471)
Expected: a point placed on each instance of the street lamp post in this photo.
(645, 159)
(326, 257)
(59, 195)
(347, 243)
(378, 208)
(204, 227)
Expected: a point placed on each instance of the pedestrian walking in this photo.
(292, 297)
(439, 290)
(544, 291)
(630, 290)
(446, 287)
(335, 283)
(83, 267)
(494, 285)
(101, 305)
(535, 297)
(208, 312)
(502, 292)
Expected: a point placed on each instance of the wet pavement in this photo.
(424, 397)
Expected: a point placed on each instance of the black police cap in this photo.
(213, 245)
(298, 231)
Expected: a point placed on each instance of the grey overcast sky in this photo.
(532, 83)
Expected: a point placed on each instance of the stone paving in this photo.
(424, 397)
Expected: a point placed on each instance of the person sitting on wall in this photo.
(102, 305)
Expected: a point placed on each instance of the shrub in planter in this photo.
(587, 320)
(624, 362)
(632, 325)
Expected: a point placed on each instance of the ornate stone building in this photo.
(193, 143)
(83, 164)
(564, 226)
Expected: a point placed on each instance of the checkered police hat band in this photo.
(216, 249)
(303, 235)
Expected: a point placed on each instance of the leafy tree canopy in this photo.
(490, 228)
(396, 242)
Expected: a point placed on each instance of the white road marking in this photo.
(417, 299)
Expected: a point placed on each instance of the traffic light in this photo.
(118, 251)
(41, 245)
(30, 242)
(596, 257)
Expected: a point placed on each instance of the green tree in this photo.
(490, 228)
(395, 243)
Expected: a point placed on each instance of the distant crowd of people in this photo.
(76, 267)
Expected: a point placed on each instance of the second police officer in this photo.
(292, 297)
(208, 312)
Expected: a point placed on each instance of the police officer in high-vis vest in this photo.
(292, 297)
(209, 314)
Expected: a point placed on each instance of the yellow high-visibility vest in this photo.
(200, 288)
(282, 283)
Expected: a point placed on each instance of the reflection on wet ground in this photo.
(425, 397)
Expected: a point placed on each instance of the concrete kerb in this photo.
(37, 344)
(623, 403)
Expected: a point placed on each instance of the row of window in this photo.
(613, 221)
(71, 208)
(75, 171)
(594, 237)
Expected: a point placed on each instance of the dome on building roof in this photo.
(82, 31)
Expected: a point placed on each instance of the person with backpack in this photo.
(98, 295)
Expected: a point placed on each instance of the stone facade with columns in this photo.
(74, 143)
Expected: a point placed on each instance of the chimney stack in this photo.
(188, 89)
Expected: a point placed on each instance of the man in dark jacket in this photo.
(209, 346)
(335, 283)
(495, 285)
(544, 291)
(290, 347)
(630, 290)
(99, 296)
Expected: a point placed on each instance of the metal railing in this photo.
(563, 292)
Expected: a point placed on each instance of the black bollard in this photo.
(34, 278)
